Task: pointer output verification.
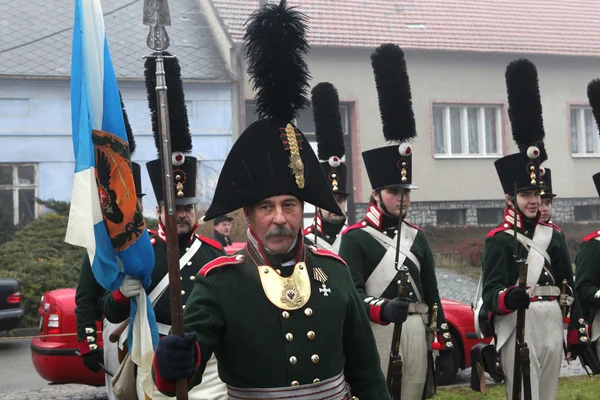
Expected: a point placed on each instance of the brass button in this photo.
(316, 380)
(295, 383)
(189, 263)
(266, 271)
(187, 249)
(289, 337)
(285, 315)
(278, 271)
(182, 292)
(310, 335)
(192, 278)
(314, 358)
(293, 360)
(183, 307)
(308, 312)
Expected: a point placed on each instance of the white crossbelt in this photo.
(334, 388)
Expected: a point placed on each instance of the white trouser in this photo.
(211, 387)
(544, 337)
(413, 348)
(111, 358)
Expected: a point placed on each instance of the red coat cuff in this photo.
(573, 337)
(502, 309)
(84, 347)
(375, 314)
(120, 298)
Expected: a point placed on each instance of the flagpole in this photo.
(157, 16)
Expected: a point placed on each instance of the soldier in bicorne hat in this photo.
(283, 318)
(542, 245)
(325, 231)
(587, 276)
(194, 250)
(370, 247)
(89, 295)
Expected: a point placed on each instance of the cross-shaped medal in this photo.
(325, 290)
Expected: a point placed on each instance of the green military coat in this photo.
(88, 311)
(116, 309)
(259, 345)
(363, 253)
(587, 277)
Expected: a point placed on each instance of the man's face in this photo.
(391, 198)
(224, 228)
(546, 210)
(328, 216)
(276, 221)
(185, 217)
(528, 201)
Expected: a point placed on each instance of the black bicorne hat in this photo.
(391, 166)
(593, 92)
(546, 182)
(330, 135)
(522, 170)
(135, 167)
(272, 157)
(185, 167)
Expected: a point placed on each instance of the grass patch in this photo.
(570, 388)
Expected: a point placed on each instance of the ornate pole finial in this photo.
(157, 16)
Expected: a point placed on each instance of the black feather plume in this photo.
(130, 138)
(181, 139)
(525, 105)
(593, 92)
(328, 121)
(393, 91)
(276, 43)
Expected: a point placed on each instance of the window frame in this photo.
(15, 187)
(581, 107)
(463, 215)
(482, 139)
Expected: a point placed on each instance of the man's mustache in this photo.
(280, 231)
(183, 221)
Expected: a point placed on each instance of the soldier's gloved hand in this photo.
(395, 311)
(517, 299)
(130, 286)
(444, 365)
(93, 359)
(176, 357)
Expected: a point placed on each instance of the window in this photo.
(586, 213)
(489, 216)
(306, 124)
(584, 133)
(17, 193)
(467, 130)
(451, 217)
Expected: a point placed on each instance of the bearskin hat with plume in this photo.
(525, 106)
(272, 157)
(393, 92)
(328, 121)
(181, 139)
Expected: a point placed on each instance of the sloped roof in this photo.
(37, 34)
(561, 27)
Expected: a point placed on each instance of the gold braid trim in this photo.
(296, 164)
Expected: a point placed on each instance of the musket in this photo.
(522, 362)
(394, 373)
(565, 313)
(157, 16)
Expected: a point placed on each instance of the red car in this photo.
(55, 361)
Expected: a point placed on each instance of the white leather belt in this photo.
(330, 389)
(418, 308)
(545, 291)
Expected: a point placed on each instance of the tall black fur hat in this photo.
(330, 135)
(391, 166)
(525, 111)
(184, 166)
(135, 167)
(272, 157)
(593, 92)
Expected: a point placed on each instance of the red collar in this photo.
(373, 216)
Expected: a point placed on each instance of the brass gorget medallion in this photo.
(289, 293)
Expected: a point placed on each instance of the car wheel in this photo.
(447, 379)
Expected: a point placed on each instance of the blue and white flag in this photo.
(105, 217)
